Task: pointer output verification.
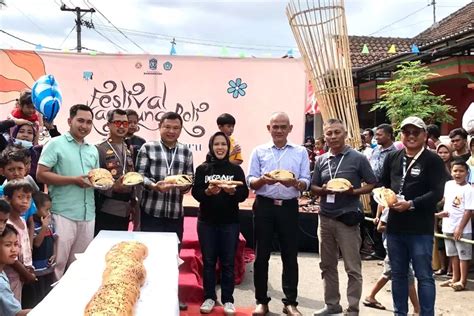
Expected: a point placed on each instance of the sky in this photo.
(204, 28)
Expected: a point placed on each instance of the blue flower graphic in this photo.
(237, 88)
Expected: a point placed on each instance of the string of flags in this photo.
(391, 50)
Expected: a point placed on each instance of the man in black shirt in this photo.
(458, 138)
(413, 173)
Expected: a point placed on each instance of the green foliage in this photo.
(408, 95)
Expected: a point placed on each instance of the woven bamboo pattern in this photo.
(320, 31)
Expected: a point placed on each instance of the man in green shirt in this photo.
(63, 166)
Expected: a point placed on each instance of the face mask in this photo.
(23, 143)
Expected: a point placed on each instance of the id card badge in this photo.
(331, 198)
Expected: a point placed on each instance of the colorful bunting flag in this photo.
(415, 49)
(289, 53)
(39, 47)
(242, 55)
(173, 49)
(365, 49)
(224, 51)
(392, 50)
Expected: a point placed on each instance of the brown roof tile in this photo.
(378, 48)
(457, 22)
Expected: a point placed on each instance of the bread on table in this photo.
(122, 279)
(338, 185)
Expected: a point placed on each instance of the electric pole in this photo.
(78, 22)
(433, 3)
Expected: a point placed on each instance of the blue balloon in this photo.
(47, 97)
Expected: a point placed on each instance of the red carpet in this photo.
(190, 272)
(193, 310)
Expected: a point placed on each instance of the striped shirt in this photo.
(152, 162)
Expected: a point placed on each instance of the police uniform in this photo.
(113, 208)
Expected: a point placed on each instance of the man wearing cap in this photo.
(414, 174)
(340, 216)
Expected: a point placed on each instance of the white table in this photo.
(159, 294)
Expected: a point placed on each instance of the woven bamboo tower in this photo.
(320, 31)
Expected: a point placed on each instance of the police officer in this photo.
(113, 206)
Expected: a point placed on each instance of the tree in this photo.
(407, 94)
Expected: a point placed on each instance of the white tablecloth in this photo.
(159, 294)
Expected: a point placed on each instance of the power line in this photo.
(73, 28)
(115, 26)
(26, 41)
(399, 20)
(108, 39)
(167, 38)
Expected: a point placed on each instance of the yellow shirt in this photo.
(237, 156)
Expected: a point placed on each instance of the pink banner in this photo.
(199, 88)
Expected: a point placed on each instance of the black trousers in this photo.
(149, 223)
(270, 219)
(377, 237)
(105, 221)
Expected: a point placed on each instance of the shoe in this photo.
(372, 256)
(229, 309)
(328, 311)
(291, 310)
(260, 310)
(182, 306)
(349, 313)
(207, 306)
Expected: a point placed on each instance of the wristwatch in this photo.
(412, 206)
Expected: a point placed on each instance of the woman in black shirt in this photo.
(218, 219)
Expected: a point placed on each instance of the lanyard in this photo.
(405, 169)
(337, 168)
(168, 164)
(281, 156)
(123, 162)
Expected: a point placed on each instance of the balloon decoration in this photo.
(46, 97)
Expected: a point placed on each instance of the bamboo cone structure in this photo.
(320, 31)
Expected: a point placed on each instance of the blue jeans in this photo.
(419, 249)
(218, 241)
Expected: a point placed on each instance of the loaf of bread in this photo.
(225, 182)
(338, 185)
(101, 177)
(385, 197)
(179, 179)
(280, 174)
(132, 178)
(121, 281)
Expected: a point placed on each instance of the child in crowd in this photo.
(4, 214)
(14, 164)
(25, 109)
(134, 142)
(18, 194)
(370, 300)
(319, 146)
(44, 252)
(9, 246)
(458, 207)
(226, 124)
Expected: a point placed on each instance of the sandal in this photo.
(447, 283)
(458, 286)
(441, 271)
(373, 304)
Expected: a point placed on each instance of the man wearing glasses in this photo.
(162, 203)
(414, 174)
(113, 206)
